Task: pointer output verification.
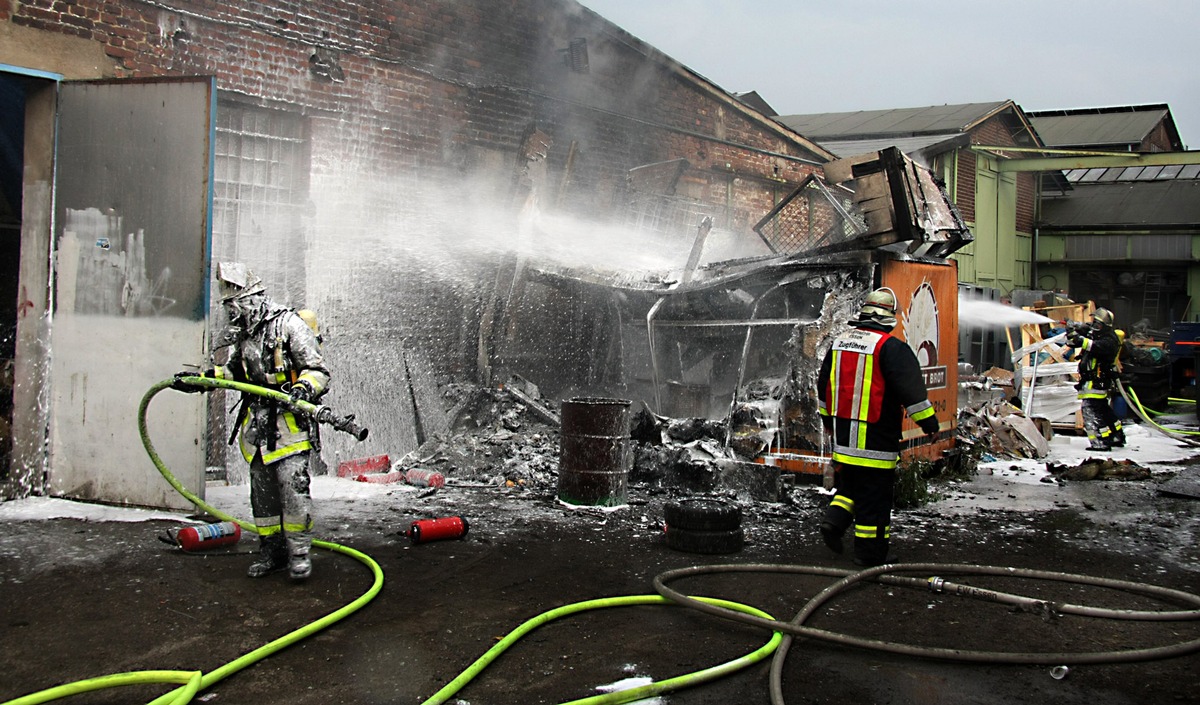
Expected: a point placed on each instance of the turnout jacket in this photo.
(1097, 364)
(868, 381)
(278, 352)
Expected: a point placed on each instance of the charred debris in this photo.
(719, 359)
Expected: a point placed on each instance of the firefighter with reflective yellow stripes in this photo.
(273, 347)
(1097, 347)
(868, 381)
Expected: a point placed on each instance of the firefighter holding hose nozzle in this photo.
(868, 381)
(273, 347)
(1098, 345)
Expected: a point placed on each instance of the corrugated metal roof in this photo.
(1097, 127)
(907, 145)
(1093, 205)
(861, 124)
(1134, 173)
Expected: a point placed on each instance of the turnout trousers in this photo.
(280, 497)
(863, 501)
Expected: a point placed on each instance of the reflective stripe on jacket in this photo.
(853, 389)
(868, 380)
(1097, 364)
(281, 350)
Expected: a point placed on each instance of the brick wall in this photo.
(426, 183)
(424, 81)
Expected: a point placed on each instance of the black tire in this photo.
(709, 542)
(703, 514)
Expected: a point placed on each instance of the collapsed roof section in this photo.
(868, 202)
(700, 336)
(896, 200)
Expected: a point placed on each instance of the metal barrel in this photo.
(595, 452)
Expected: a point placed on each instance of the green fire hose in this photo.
(195, 681)
(191, 682)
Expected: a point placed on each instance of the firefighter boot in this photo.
(832, 536)
(272, 556)
(869, 553)
(299, 563)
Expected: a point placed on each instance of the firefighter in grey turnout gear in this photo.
(1097, 347)
(273, 347)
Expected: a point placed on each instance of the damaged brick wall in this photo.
(419, 115)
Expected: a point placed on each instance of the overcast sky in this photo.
(840, 55)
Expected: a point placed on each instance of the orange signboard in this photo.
(927, 303)
(927, 319)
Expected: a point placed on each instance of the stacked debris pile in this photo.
(975, 390)
(494, 438)
(1004, 430)
(677, 452)
(509, 437)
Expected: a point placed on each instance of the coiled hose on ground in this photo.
(783, 633)
(883, 574)
(1131, 399)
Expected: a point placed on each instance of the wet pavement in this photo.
(90, 590)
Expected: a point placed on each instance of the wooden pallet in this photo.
(1031, 346)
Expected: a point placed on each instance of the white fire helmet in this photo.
(235, 280)
(880, 307)
(1102, 316)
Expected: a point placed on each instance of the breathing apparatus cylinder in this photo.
(309, 316)
(206, 536)
(438, 529)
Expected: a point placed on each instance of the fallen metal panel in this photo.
(893, 199)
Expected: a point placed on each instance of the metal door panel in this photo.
(1006, 231)
(985, 226)
(132, 238)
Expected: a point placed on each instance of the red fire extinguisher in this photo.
(206, 536)
(425, 530)
(425, 478)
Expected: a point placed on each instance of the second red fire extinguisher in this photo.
(438, 529)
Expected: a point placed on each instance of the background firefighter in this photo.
(868, 381)
(1097, 347)
(273, 347)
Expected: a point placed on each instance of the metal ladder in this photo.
(1151, 296)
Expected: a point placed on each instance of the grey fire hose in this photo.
(1135, 404)
(883, 574)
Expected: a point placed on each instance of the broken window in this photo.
(260, 179)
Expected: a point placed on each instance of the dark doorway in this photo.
(1147, 300)
(12, 160)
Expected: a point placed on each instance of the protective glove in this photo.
(929, 425)
(1074, 338)
(301, 391)
(182, 386)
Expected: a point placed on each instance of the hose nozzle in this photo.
(345, 424)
